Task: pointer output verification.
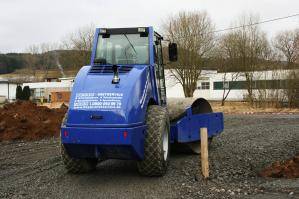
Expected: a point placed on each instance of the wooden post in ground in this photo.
(204, 152)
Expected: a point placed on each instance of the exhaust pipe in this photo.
(116, 78)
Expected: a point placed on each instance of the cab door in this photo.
(159, 70)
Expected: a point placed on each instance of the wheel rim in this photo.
(165, 144)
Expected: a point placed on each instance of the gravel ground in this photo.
(248, 144)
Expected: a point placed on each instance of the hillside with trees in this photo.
(72, 53)
(10, 62)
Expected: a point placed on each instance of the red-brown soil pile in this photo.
(25, 120)
(286, 169)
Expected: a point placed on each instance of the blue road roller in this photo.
(118, 107)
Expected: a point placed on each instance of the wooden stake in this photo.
(204, 152)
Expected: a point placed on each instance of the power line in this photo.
(257, 23)
(247, 25)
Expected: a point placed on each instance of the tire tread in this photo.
(76, 166)
(153, 163)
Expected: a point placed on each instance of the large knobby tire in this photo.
(74, 165)
(156, 143)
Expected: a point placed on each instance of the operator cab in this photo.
(123, 48)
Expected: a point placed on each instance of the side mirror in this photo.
(173, 52)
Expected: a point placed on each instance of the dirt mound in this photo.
(286, 169)
(25, 120)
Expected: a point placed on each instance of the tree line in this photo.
(10, 62)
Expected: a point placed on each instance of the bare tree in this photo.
(292, 89)
(228, 84)
(47, 56)
(227, 54)
(31, 59)
(80, 43)
(252, 50)
(287, 43)
(192, 31)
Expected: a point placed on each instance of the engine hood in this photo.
(95, 101)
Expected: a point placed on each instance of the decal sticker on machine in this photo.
(142, 100)
(98, 100)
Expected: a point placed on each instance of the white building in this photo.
(211, 84)
(7, 90)
(42, 90)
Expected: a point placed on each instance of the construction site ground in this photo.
(249, 144)
(232, 107)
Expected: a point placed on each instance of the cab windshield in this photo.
(122, 49)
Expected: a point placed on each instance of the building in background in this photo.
(211, 84)
(42, 91)
(175, 90)
(7, 90)
(60, 96)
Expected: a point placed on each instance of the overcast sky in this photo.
(26, 22)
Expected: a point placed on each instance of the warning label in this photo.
(98, 100)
